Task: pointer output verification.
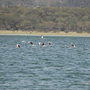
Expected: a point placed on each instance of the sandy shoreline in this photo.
(8, 32)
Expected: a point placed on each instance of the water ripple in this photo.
(44, 68)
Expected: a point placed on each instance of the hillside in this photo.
(45, 19)
(45, 3)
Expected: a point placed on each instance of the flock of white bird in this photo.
(41, 43)
(32, 44)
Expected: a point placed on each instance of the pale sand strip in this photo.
(8, 32)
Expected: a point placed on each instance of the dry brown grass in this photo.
(8, 32)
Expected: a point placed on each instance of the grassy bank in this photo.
(5, 32)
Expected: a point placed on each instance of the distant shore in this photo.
(8, 32)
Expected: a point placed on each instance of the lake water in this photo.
(44, 67)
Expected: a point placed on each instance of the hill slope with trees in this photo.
(45, 19)
(45, 3)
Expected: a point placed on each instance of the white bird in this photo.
(23, 41)
(87, 82)
(28, 41)
(73, 45)
(43, 44)
(32, 44)
(42, 36)
(17, 45)
(39, 43)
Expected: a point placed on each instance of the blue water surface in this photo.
(56, 67)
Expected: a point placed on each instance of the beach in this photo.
(61, 33)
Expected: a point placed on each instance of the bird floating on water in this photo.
(18, 45)
(73, 45)
(42, 37)
(87, 82)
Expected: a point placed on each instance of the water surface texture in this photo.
(56, 67)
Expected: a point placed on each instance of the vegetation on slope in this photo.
(45, 19)
(45, 3)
